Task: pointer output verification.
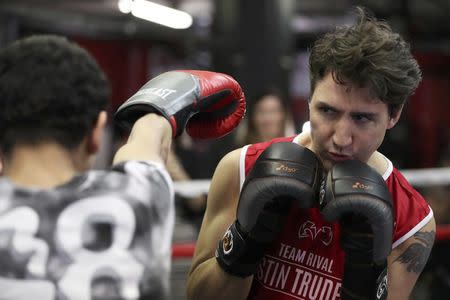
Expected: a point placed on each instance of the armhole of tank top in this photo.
(132, 167)
(413, 230)
(387, 173)
(242, 166)
(162, 170)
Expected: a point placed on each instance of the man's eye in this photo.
(361, 118)
(327, 110)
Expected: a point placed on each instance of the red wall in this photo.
(429, 110)
(124, 62)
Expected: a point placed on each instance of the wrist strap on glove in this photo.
(364, 282)
(238, 254)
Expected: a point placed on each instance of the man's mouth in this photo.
(338, 157)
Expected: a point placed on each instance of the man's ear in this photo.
(394, 117)
(96, 136)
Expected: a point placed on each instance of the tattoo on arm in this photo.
(416, 255)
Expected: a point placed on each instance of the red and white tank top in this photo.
(306, 261)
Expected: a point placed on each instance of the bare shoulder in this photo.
(226, 180)
(223, 197)
(230, 160)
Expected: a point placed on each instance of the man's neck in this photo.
(41, 166)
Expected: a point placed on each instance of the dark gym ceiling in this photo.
(426, 20)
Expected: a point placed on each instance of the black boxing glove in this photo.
(357, 196)
(207, 104)
(283, 173)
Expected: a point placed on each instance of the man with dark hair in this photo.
(70, 233)
(275, 228)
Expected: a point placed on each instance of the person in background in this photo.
(70, 232)
(267, 118)
(324, 214)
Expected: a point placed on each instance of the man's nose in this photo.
(343, 134)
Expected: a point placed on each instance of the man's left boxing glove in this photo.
(357, 196)
(284, 173)
(207, 104)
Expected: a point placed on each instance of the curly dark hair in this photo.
(368, 54)
(50, 90)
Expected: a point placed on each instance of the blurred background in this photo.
(264, 45)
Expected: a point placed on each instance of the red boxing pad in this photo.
(208, 104)
(221, 105)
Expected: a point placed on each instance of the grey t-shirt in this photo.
(103, 235)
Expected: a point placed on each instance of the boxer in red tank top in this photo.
(306, 261)
(361, 76)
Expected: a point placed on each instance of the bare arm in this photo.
(206, 279)
(407, 261)
(149, 140)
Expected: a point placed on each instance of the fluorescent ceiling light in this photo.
(156, 13)
(125, 6)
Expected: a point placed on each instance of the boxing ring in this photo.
(182, 252)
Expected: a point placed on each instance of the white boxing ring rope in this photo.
(417, 177)
(428, 177)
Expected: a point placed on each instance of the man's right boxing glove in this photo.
(283, 173)
(207, 104)
(357, 196)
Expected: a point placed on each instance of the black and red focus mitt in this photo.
(207, 104)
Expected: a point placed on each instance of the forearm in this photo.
(150, 139)
(407, 261)
(209, 282)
